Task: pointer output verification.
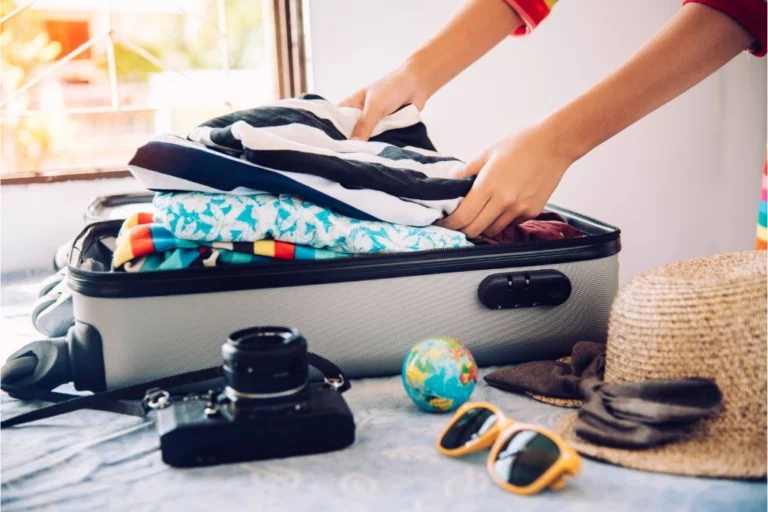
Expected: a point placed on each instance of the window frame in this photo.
(287, 42)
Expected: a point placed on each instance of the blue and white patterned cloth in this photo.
(228, 218)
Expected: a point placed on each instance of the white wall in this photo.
(683, 182)
(36, 219)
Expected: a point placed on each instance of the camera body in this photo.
(192, 433)
(268, 408)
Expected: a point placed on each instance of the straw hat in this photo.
(698, 318)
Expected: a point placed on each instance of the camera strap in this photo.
(332, 374)
(123, 400)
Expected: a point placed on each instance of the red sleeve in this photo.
(750, 14)
(532, 12)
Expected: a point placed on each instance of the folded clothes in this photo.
(644, 414)
(302, 147)
(227, 218)
(556, 379)
(547, 226)
(145, 246)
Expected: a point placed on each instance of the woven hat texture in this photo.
(704, 318)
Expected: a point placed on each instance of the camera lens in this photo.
(265, 362)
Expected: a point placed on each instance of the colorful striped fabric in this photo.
(145, 246)
(762, 223)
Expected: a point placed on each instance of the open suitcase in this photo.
(506, 303)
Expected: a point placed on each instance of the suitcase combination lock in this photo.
(524, 289)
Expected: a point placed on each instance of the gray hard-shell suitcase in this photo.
(506, 303)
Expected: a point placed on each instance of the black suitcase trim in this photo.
(604, 241)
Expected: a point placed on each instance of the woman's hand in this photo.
(515, 178)
(384, 96)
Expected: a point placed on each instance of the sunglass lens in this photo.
(525, 457)
(469, 426)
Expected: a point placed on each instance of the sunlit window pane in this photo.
(176, 63)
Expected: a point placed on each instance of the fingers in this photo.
(492, 211)
(468, 210)
(471, 169)
(368, 120)
(357, 100)
(514, 213)
(497, 214)
(371, 116)
(473, 203)
(487, 209)
(508, 217)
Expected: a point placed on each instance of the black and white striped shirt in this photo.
(302, 147)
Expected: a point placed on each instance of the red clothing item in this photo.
(532, 12)
(547, 226)
(750, 14)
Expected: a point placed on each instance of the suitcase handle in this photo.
(524, 289)
(98, 203)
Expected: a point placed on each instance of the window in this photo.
(85, 82)
(69, 34)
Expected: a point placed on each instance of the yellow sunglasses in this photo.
(524, 459)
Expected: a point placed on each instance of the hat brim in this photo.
(571, 403)
(723, 455)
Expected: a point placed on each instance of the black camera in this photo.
(268, 408)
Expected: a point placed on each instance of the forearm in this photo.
(471, 33)
(694, 44)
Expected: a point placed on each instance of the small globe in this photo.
(439, 374)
